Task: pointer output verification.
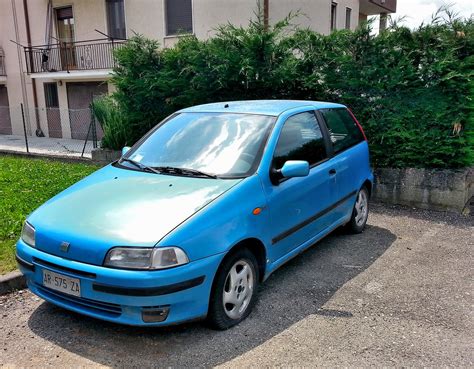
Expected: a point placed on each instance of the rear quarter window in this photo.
(343, 130)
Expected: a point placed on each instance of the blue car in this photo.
(198, 212)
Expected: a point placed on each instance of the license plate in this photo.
(62, 283)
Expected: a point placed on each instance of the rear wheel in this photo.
(234, 290)
(360, 213)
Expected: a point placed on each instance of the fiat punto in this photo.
(197, 213)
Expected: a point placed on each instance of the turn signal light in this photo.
(256, 211)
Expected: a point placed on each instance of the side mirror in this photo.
(295, 168)
(125, 150)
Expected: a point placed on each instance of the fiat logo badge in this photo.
(64, 246)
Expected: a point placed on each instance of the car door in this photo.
(351, 156)
(299, 207)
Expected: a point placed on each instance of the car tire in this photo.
(360, 212)
(234, 290)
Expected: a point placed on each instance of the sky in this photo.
(417, 11)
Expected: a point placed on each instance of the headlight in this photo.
(28, 234)
(145, 258)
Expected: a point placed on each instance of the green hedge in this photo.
(411, 90)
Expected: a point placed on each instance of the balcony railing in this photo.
(2, 66)
(71, 56)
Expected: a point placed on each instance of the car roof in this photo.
(266, 107)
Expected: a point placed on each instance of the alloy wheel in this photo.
(361, 208)
(238, 289)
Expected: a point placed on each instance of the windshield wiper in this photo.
(185, 171)
(140, 165)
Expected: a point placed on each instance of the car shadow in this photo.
(295, 291)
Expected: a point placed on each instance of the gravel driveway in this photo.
(400, 294)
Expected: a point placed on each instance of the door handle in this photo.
(332, 172)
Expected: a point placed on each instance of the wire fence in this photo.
(49, 131)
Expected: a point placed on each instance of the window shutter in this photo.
(64, 13)
(115, 18)
(179, 17)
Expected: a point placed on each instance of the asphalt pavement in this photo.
(400, 294)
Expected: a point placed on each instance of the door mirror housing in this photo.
(125, 150)
(295, 168)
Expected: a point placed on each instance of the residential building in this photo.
(62, 57)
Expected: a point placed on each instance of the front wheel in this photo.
(234, 290)
(360, 213)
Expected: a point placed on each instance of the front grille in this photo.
(45, 263)
(105, 308)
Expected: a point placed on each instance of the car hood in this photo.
(119, 207)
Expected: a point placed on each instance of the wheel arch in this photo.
(257, 248)
(368, 184)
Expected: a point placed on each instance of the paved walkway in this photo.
(46, 145)
(399, 294)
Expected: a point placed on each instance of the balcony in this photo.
(91, 55)
(374, 7)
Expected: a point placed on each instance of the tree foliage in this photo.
(412, 90)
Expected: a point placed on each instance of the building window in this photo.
(115, 19)
(66, 34)
(179, 17)
(348, 18)
(333, 16)
(65, 24)
(51, 95)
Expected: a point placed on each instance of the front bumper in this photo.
(119, 295)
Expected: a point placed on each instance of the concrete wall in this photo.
(145, 17)
(208, 14)
(341, 13)
(315, 14)
(425, 188)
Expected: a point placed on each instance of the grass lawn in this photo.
(24, 185)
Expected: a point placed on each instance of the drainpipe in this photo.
(265, 13)
(383, 21)
(39, 132)
(20, 61)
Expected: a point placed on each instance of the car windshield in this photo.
(214, 144)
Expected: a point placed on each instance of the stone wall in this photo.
(105, 156)
(437, 189)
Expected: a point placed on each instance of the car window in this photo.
(222, 144)
(343, 130)
(300, 139)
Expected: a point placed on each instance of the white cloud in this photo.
(416, 12)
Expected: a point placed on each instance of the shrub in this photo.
(411, 90)
(117, 130)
